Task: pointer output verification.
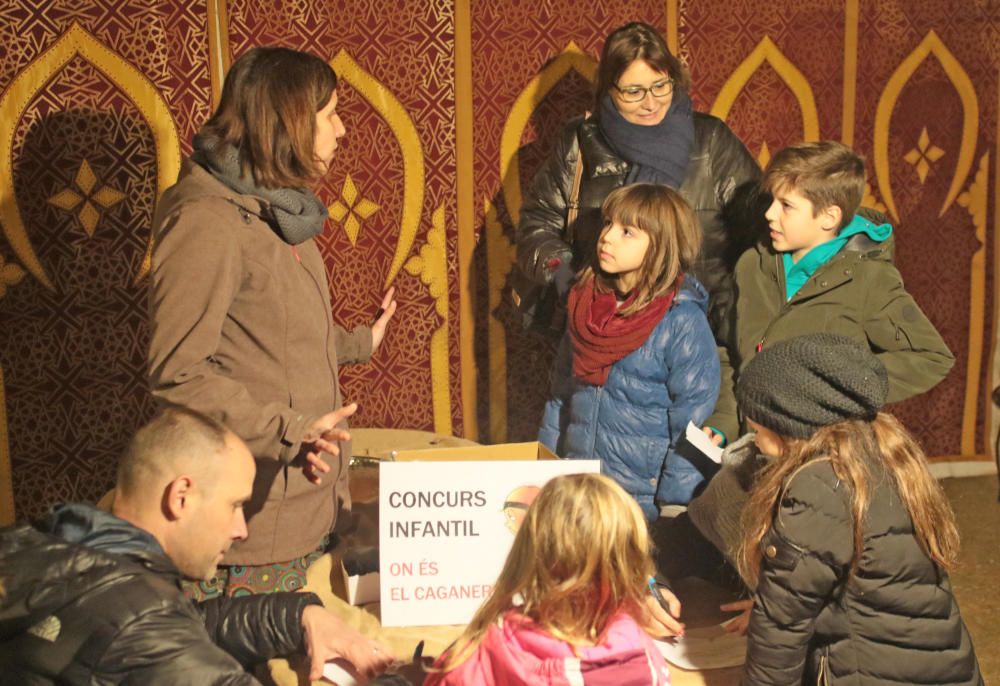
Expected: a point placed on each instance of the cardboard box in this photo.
(361, 589)
(531, 450)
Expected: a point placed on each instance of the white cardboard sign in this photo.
(444, 532)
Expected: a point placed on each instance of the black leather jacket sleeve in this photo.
(155, 649)
(256, 628)
(160, 647)
(540, 232)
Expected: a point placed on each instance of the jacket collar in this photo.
(839, 270)
(87, 526)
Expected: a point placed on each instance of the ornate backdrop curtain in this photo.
(450, 107)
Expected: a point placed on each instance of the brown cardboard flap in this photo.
(531, 450)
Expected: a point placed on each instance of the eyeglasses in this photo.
(660, 89)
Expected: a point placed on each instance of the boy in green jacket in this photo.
(826, 269)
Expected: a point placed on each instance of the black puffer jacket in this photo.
(90, 599)
(895, 622)
(721, 186)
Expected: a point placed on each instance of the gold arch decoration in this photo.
(431, 265)
(673, 23)
(528, 100)
(975, 199)
(930, 45)
(767, 51)
(143, 94)
(402, 126)
(850, 72)
(500, 255)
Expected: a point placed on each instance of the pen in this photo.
(659, 596)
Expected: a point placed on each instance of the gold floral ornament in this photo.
(68, 199)
(924, 155)
(764, 156)
(350, 211)
(431, 265)
(10, 275)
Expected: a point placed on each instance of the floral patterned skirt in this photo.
(242, 580)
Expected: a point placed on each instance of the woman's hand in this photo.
(327, 637)
(387, 309)
(741, 622)
(322, 437)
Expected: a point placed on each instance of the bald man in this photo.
(95, 598)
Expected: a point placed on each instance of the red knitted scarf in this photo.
(600, 336)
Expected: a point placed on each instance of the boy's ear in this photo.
(830, 217)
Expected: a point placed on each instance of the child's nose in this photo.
(772, 211)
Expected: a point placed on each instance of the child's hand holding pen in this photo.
(665, 609)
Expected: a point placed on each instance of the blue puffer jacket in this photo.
(633, 422)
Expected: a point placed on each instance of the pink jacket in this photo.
(516, 653)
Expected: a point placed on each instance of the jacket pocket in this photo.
(900, 334)
(779, 553)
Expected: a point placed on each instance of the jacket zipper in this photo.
(823, 677)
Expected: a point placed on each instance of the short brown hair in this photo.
(826, 173)
(625, 45)
(674, 239)
(268, 113)
(175, 435)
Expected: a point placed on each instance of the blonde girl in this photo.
(848, 535)
(638, 361)
(570, 600)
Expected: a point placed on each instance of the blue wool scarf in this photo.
(658, 153)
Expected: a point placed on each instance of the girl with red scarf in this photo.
(638, 361)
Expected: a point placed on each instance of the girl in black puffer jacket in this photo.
(847, 534)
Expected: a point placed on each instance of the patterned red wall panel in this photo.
(85, 157)
(407, 49)
(935, 253)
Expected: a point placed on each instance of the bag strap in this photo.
(573, 208)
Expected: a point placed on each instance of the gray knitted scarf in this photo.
(717, 511)
(297, 213)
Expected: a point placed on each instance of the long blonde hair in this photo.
(580, 557)
(847, 446)
(674, 240)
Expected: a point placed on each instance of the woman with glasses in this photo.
(642, 129)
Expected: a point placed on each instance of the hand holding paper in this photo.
(703, 443)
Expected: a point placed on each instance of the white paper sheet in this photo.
(334, 672)
(699, 440)
(709, 647)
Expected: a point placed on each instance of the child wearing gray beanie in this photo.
(798, 386)
(792, 388)
(846, 536)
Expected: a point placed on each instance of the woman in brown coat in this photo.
(240, 307)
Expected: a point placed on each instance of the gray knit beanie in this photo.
(800, 385)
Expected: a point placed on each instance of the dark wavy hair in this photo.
(631, 42)
(268, 112)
